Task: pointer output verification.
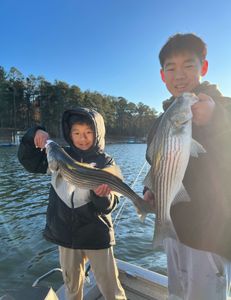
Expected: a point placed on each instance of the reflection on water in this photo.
(25, 255)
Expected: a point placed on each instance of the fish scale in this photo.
(169, 152)
(87, 177)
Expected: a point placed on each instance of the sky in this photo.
(111, 46)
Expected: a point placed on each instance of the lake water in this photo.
(25, 255)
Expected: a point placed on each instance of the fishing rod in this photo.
(115, 223)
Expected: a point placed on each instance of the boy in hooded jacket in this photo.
(198, 261)
(78, 221)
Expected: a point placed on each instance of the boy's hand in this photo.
(149, 197)
(203, 110)
(40, 138)
(102, 190)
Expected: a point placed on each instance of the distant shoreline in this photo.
(111, 140)
(7, 141)
(126, 140)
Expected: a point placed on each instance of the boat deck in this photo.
(139, 284)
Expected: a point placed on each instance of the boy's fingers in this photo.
(102, 190)
(40, 142)
(41, 138)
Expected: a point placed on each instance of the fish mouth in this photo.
(178, 124)
(182, 120)
(186, 121)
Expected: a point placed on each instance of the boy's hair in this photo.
(80, 119)
(180, 43)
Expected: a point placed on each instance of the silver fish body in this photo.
(87, 177)
(169, 151)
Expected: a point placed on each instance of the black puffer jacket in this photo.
(76, 218)
(204, 223)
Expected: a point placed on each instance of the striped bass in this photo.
(169, 151)
(85, 176)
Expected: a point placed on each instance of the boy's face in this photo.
(182, 72)
(82, 136)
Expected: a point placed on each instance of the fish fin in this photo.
(114, 170)
(49, 171)
(114, 193)
(148, 180)
(142, 208)
(59, 180)
(196, 148)
(181, 196)
(53, 165)
(162, 231)
(150, 151)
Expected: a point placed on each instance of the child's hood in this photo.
(97, 122)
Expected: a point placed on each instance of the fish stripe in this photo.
(82, 176)
(171, 149)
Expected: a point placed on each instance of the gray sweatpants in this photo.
(103, 265)
(195, 274)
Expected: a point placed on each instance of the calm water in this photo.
(25, 255)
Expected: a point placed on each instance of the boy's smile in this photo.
(82, 136)
(182, 72)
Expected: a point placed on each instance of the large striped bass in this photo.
(169, 151)
(85, 176)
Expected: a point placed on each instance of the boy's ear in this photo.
(204, 68)
(162, 75)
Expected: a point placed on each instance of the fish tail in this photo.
(162, 231)
(142, 207)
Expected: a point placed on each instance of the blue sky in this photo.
(111, 46)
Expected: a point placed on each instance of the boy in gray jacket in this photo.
(78, 221)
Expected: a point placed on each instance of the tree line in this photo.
(27, 101)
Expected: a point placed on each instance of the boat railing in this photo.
(45, 276)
